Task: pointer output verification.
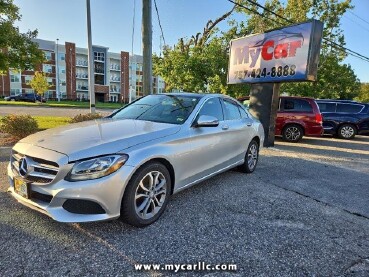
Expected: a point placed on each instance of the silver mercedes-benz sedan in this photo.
(128, 165)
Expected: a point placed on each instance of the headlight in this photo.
(96, 168)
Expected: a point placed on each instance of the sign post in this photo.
(290, 54)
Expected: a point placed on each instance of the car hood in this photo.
(99, 137)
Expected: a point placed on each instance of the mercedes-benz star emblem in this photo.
(23, 167)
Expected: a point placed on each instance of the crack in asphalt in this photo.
(112, 248)
(320, 201)
(362, 261)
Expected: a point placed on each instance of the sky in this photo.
(112, 23)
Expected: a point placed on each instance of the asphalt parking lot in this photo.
(303, 212)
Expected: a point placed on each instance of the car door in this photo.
(206, 144)
(239, 132)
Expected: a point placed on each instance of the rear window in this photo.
(349, 108)
(296, 105)
(327, 107)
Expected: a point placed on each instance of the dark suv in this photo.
(26, 97)
(344, 118)
(298, 117)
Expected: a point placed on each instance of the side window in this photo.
(297, 105)
(349, 108)
(243, 113)
(327, 107)
(231, 110)
(288, 105)
(212, 107)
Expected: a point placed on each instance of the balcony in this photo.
(114, 67)
(114, 79)
(83, 76)
(82, 88)
(82, 63)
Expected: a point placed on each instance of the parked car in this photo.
(130, 163)
(26, 97)
(344, 118)
(298, 117)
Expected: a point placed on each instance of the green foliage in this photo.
(85, 117)
(39, 83)
(335, 81)
(19, 126)
(16, 49)
(363, 93)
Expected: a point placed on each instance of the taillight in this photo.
(319, 118)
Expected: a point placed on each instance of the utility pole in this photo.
(91, 80)
(57, 70)
(147, 46)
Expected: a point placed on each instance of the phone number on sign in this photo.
(280, 71)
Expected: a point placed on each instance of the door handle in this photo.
(225, 127)
(249, 124)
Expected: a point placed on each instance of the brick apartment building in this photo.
(115, 74)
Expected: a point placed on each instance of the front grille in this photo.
(34, 170)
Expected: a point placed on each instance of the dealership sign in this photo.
(288, 54)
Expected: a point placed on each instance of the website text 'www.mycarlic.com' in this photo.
(200, 266)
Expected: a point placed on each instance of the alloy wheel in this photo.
(150, 195)
(252, 156)
(347, 131)
(293, 133)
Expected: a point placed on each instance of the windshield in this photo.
(173, 109)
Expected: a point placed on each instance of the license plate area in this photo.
(21, 187)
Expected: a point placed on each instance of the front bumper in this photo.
(107, 192)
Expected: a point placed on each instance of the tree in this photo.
(39, 83)
(335, 81)
(363, 93)
(16, 49)
(197, 64)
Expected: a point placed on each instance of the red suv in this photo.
(298, 117)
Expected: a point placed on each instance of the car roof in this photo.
(297, 97)
(339, 101)
(192, 94)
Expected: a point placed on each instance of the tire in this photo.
(293, 133)
(346, 131)
(143, 204)
(251, 158)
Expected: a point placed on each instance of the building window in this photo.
(47, 55)
(62, 82)
(61, 56)
(62, 69)
(50, 81)
(99, 68)
(14, 77)
(29, 91)
(99, 79)
(99, 56)
(47, 68)
(27, 79)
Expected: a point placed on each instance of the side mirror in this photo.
(206, 121)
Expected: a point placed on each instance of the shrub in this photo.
(85, 117)
(18, 126)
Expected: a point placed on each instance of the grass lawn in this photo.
(63, 104)
(47, 122)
